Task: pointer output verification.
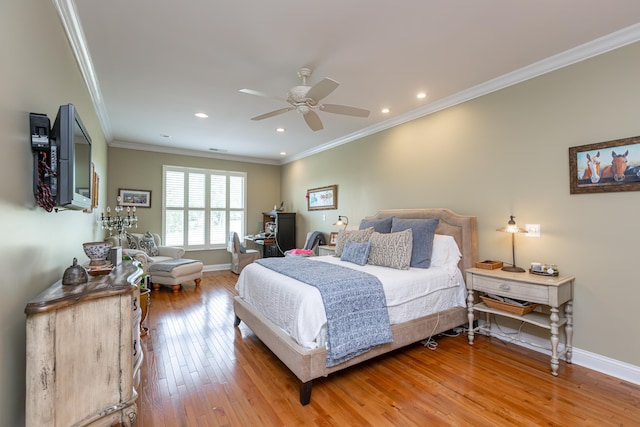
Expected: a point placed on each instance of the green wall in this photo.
(142, 170)
(38, 74)
(507, 154)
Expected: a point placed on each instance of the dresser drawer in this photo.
(511, 289)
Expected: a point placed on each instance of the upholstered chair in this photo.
(313, 240)
(146, 248)
(240, 256)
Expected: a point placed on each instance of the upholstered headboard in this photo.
(464, 229)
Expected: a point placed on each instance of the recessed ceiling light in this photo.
(422, 95)
(385, 110)
(201, 115)
(164, 135)
(280, 129)
(282, 153)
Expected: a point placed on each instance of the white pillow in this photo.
(445, 251)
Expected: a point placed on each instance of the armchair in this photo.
(240, 257)
(313, 240)
(146, 248)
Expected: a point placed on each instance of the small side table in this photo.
(551, 291)
(326, 250)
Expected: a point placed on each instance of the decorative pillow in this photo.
(379, 225)
(148, 244)
(354, 252)
(357, 236)
(445, 251)
(423, 232)
(391, 249)
(132, 241)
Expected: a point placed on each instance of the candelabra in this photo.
(118, 223)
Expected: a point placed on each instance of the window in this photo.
(201, 206)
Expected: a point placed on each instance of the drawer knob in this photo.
(505, 287)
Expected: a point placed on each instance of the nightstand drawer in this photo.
(511, 289)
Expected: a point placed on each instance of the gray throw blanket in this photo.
(170, 264)
(357, 318)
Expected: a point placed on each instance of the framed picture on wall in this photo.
(605, 166)
(137, 198)
(322, 198)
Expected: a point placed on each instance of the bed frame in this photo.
(308, 365)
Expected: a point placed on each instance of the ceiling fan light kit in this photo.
(305, 99)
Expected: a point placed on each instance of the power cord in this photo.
(430, 342)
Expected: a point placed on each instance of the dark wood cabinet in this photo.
(284, 225)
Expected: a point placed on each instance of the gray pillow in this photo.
(391, 249)
(358, 236)
(423, 232)
(355, 252)
(379, 225)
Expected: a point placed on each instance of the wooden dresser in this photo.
(83, 352)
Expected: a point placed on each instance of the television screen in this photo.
(73, 146)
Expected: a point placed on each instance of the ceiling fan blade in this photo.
(266, 95)
(322, 89)
(313, 120)
(273, 113)
(345, 110)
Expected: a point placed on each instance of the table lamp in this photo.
(513, 229)
(342, 221)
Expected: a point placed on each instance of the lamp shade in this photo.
(342, 221)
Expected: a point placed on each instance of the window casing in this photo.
(201, 206)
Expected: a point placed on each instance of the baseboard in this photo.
(216, 267)
(606, 365)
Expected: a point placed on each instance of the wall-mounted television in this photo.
(74, 159)
(66, 150)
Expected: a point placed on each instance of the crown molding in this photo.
(188, 152)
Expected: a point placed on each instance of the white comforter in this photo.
(297, 308)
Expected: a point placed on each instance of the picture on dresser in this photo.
(605, 166)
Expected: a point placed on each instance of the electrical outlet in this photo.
(324, 217)
(533, 230)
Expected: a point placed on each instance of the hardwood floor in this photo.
(201, 371)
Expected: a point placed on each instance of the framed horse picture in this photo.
(605, 166)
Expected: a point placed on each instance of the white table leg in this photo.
(470, 315)
(568, 329)
(555, 318)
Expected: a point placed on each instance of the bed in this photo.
(308, 363)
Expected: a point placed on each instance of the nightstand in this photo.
(551, 291)
(326, 250)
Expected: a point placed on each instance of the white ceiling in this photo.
(152, 64)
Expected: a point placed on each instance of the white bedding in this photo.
(297, 308)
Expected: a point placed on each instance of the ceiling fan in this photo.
(306, 99)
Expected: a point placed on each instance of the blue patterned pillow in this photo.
(391, 249)
(355, 252)
(423, 232)
(379, 225)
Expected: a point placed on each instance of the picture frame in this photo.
(605, 167)
(322, 198)
(95, 186)
(333, 238)
(137, 198)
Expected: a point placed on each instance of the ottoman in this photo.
(175, 272)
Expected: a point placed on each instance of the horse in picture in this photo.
(592, 171)
(617, 167)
